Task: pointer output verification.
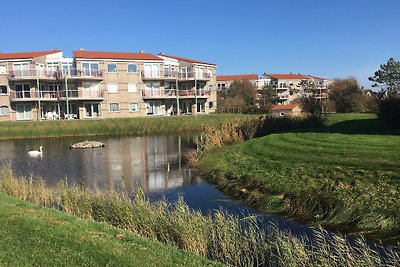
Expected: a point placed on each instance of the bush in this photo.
(389, 112)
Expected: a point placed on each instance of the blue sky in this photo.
(334, 39)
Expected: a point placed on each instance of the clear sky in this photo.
(333, 39)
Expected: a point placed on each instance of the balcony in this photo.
(165, 75)
(54, 74)
(83, 74)
(173, 93)
(34, 95)
(32, 74)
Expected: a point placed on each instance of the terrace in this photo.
(162, 75)
(31, 74)
(172, 93)
(32, 95)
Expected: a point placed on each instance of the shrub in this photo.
(389, 112)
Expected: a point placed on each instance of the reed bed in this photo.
(123, 126)
(242, 129)
(220, 236)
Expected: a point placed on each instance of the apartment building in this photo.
(45, 85)
(291, 86)
(224, 81)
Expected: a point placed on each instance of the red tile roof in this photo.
(318, 78)
(289, 76)
(114, 55)
(26, 55)
(239, 77)
(285, 107)
(186, 59)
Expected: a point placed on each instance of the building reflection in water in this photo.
(155, 163)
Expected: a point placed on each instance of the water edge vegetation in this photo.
(343, 175)
(124, 126)
(220, 237)
(35, 236)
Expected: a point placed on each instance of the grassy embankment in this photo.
(344, 175)
(136, 126)
(31, 235)
(34, 236)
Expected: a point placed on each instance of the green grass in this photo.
(330, 175)
(136, 126)
(34, 236)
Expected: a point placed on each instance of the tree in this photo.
(388, 77)
(347, 95)
(239, 97)
(268, 98)
(310, 104)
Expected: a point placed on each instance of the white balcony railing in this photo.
(54, 74)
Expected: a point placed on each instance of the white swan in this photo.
(35, 153)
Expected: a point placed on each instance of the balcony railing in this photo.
(172, 93)
(32, 74)
(76, 73)
(175, 75)
(49, 95)
(54, 74)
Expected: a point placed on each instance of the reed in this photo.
(123, 126)
(242, 129)
(221, 236)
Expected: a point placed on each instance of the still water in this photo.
(155, 163)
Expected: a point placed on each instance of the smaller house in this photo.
(290, 110)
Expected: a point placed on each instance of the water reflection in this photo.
(155, 163)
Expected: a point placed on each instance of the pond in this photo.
(155, 163)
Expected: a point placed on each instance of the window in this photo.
(112, 67)
(24, 111)
(112, 88)
(200, 86)
(201, 104)
(133, 107)
(211, 105)
(21, 69)
(4, 110)
(66, 67)
(151, 70)
(23, 90)
(132, 68)
(3, 69)
(153, 89)
(114, 107)
(90, 69)
(210, 87)
(91, 89)
(92, 110)
(132, 88)
(153, 108)
(3, 89)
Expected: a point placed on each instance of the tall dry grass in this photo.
(219, 236)
(245, 128)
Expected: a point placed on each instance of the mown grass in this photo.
(222, 237)
(136, 126)
(35, 236)
(319, 176)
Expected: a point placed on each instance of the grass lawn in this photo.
(34, 236)
(346, 173)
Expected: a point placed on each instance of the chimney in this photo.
(141, 51)
(81, 49)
